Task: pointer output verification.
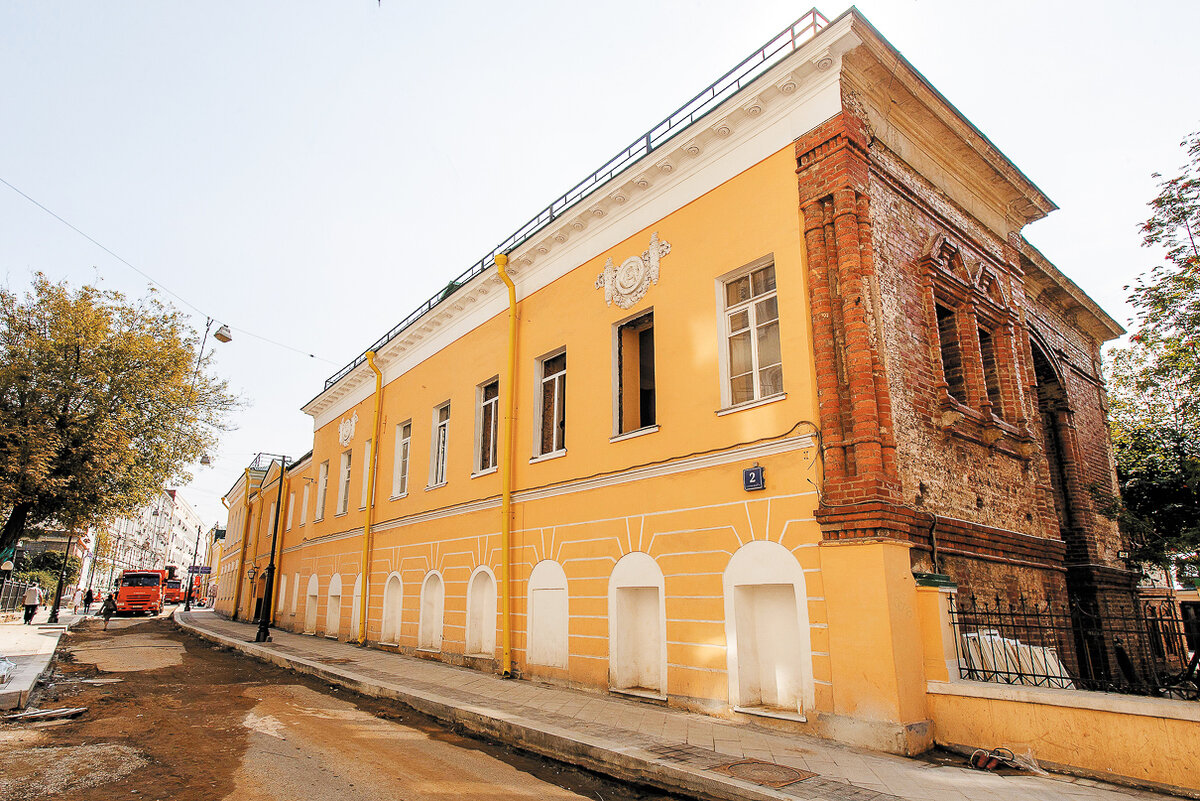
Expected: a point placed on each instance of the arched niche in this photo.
(637, 622)
(768, 644)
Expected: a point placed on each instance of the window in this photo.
(991, 371)
(489, 404)
(439, 445)
(635, 398)
(952, 361)
(304, 504)
(400, 464)
(552, 409)
(343, 496)
(752, 330)
(291, 507)
(271, 519)
(322, 487)
(366, 482)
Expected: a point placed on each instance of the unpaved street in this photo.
(172, 717)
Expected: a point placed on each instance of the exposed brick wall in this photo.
(889, 254)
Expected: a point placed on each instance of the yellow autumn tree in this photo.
(103, 400)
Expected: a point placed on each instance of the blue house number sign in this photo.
(753, 479)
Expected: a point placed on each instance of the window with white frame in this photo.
(366, 482)
(486, 425)
(304, 504)
(291, 508)
(440, 445)
(343, 496)
(322, 490)
(400, 461)
(755, 364)
(552, 405)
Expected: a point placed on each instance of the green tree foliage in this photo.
(44, 569)
(1154, 386)
(102, 402)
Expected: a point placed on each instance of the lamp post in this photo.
(62, 575)
(264, 615)
(191, 579)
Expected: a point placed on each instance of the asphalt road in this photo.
(173, 717)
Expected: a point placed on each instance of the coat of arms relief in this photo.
(627, 284)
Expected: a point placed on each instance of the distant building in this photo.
(162, 533)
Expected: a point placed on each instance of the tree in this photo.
(44, 568)
(102, 402)
(1154, 386)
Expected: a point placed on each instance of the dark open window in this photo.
(952, 361)
(991, 371)
(635, 374)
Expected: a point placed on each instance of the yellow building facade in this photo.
(667, 457)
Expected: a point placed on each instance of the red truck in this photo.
(141, 591)
(173, 589)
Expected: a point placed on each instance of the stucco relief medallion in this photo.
(346, 429)
(627, 284)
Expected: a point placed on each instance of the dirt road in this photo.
(172, 717)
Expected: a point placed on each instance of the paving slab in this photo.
(31, 648)
(692, 754)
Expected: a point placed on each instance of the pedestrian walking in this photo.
(107, 609)
(76, 601)
(33, 599)
(87, 601)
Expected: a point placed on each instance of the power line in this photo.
(157, 283)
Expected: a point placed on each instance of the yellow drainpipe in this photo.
(506, 471)
(237, 589)
(366, 554)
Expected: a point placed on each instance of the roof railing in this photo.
(775, 50)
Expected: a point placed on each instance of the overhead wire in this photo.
(158, 283)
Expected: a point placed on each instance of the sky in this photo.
(310, 172)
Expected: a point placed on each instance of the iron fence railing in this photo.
(716, 93)
(1140, 648)
(12, 595)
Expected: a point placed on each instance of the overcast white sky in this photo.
(311, 172)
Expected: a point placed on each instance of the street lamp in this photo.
(264, 614)
(191, 578)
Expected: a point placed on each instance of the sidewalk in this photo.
(680, 751)
(32, 648)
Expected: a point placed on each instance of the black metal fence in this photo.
(1140, 649)
(12, 595)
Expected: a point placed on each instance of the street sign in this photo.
(199, 569)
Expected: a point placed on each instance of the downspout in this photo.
(506, 472)
(366, 554)
(237, 589)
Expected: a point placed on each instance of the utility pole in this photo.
(62, 574)
(191, 579)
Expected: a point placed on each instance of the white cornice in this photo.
(780, 105)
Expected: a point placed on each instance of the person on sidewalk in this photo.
(33, 599)
(107, 609)
(76, 601)
(87, 601)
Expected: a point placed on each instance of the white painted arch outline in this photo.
(766, 562)
(311, 595)
(333, 614)
(487, 646)
(393, 609)
(432, 612)
(637, 569)
(544, 645)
